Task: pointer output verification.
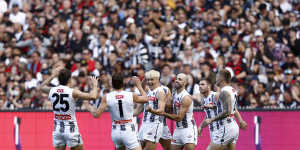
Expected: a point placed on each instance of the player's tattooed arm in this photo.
(161, 104)
(97, 112)
(44, 86)
(225, 99)
(186, 102)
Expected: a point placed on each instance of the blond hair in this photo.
(152, 74)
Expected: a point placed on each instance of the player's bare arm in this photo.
(92, 95)
(161, 104)
(243, 124)
(186, 102)
(139, 108)
(201, 127)
(139, 99)
(224, 98)
(169, 99)
(97, 112)
(44, 86)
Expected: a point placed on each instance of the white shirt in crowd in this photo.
(3, 6)
(20, 17)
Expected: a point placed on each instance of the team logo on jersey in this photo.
(60, 90)
(119, 96)
(151, 98)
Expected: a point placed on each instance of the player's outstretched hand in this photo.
(57, 70)
(94, 81)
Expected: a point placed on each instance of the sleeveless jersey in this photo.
(120, 105)
(211, 113)
(153, 103)
(177, 102)
(233, 97)
(63, 108)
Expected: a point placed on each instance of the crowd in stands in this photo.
(257, 40)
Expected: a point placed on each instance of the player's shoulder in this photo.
(228, 89)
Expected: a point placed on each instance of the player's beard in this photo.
(178, 86)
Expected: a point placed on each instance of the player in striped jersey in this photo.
(185, 134)
(152, 126)
(210, 104)
(63, 98)
(165, 140)
(120, 105)
(226, 136)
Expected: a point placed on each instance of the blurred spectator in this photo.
(3, 6)
(288, 101)
(16, 16)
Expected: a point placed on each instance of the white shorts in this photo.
(182, 136)
(166, 133)
(69, 139)
(228, 133)
(151, 132)
(136, 126)
(124, 135)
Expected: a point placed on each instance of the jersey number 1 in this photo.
(60, 98)
(120, 108)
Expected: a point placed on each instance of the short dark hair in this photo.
(64, 76)
(104, 35)
(206, 80)
(131, 37)
(225, 74)
(117, 81)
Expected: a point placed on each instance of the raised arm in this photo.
(92, 95)
(97, 112)
(161, 104)
(44, 86)
(139, 99)
(225, 99)
(186, 102)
